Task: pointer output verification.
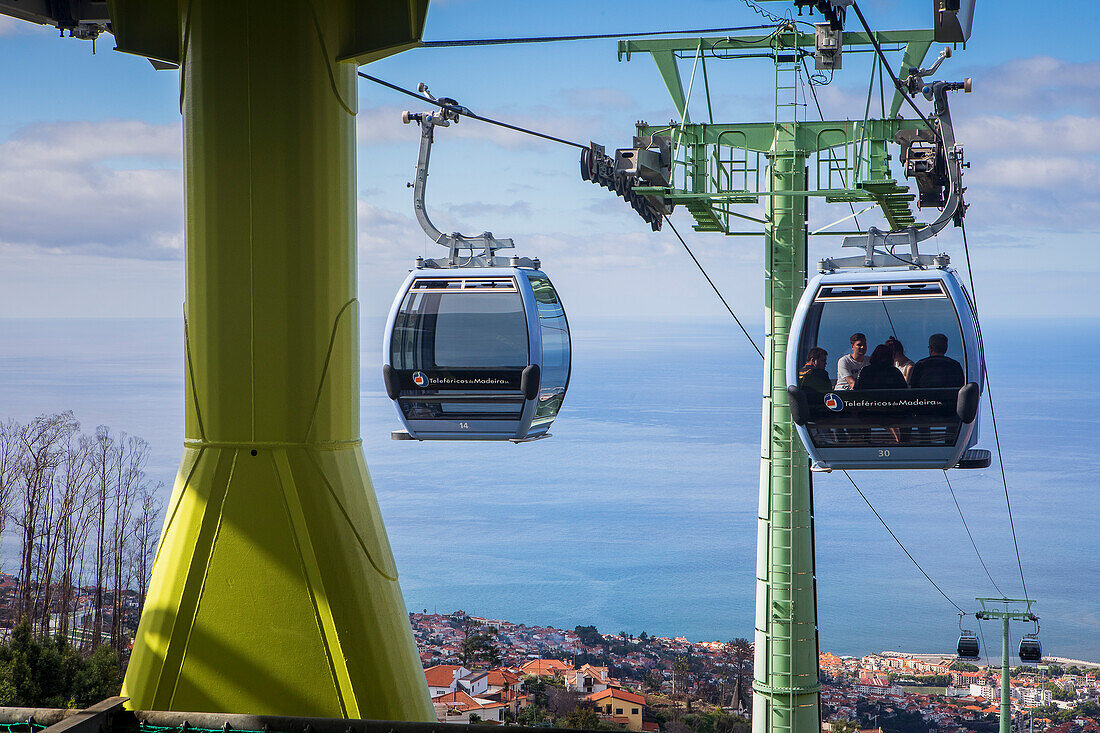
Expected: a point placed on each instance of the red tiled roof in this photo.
(546, 667)
(616, 694)
(462, 700)
(499, 677)
(441, 675)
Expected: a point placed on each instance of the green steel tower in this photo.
(1004, 615)
(784, 162)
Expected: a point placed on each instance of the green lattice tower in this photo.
(786, 687)
(852, 165)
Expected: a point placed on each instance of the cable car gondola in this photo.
(477, 354)
(968, 646)
(929, 421)
(878, 419)
(1031, 650)
(477, 345)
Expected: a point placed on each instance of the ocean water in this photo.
(640, 513)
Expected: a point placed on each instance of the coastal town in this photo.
(495, 671)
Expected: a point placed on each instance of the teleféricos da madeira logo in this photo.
(833, 402)
(420, 379)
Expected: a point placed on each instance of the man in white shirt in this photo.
(847, 368)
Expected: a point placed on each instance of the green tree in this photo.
(480, 646)
(583, 716)
(50, 673)
(845, 725)
(589, 636)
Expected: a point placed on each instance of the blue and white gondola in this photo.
(916, 427)
(477, 353)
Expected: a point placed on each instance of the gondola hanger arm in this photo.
(450, 111)
(954, 208)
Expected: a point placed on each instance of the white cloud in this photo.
(1066, 134)
(1051, 173)
(111, 188)
(600, 98)
(1039, 84)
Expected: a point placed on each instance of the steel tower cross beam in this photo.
(274, 590)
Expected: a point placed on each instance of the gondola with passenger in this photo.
(871, 415)
(870, 317)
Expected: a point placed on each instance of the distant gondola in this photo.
(1031, 650)
(477, 353)
(929, 421)
(968, 646)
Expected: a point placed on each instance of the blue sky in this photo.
(91, 186)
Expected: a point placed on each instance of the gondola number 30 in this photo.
(884, 453)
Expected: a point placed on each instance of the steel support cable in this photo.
(714, 287)
(981, 632)
(993, 416)
(458, 109)
(591, 37)
(887, 526)
(968, 534)
(882, 57)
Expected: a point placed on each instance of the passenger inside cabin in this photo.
(901, 361)
(813, 376)
(880, 372)
(847, 368)
(937, 369)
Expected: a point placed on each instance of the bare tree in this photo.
(132, 454)
(75, 498)
(43, 439)
(145, 537)
(11, 453)
(104, 461)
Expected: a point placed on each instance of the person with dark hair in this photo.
(813, 376)
(901, 361)
(847, 368)
(937, 370)
(880, 372)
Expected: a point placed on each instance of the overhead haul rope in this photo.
(467, 113)
(981, 632)
(884, 524)
(886, 64)
(968, 534)
(714, 287)
(458, 109)
(993, 415)
(600, 36)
